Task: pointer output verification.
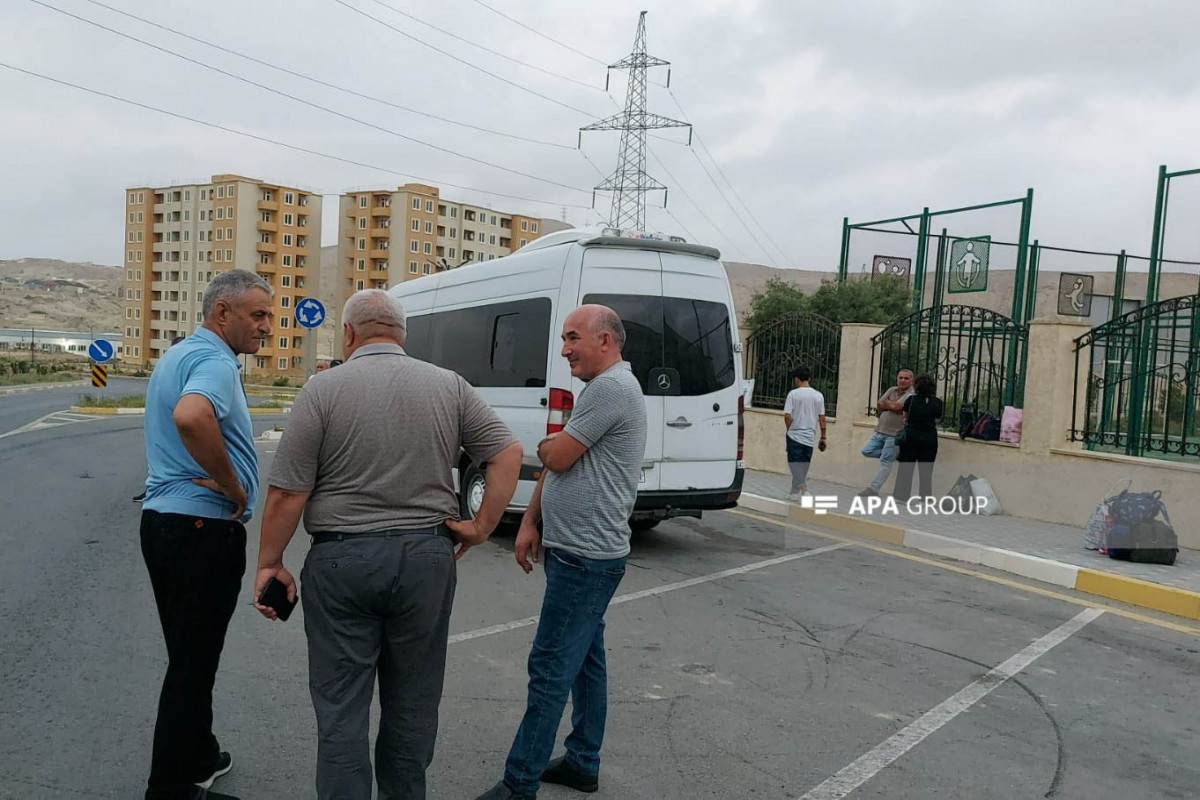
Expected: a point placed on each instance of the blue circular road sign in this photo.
(101, 351)
(310, 313)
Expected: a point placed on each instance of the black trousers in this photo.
(196, 566)
(923, 452)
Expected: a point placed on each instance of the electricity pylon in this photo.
(630, 182)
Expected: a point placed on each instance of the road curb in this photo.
(105, 410)
(1111, 586)
(41, 387)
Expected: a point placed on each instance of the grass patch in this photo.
(124, 401)
(20, 379)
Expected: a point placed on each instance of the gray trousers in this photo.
(377, 605)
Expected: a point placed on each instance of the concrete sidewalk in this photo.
(1039, 550)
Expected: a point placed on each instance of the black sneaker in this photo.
(562, 773)
(223, 765)
(137, 498)
(868, 492)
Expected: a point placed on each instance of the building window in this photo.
(229, 256)
(453, 212)
(362, 264)
(187, 216)
(221, 192)
(221, 212)
(282, 363)
(139, 260)
(362, 223)
(283, 343)
(285, 301)
(141, 198)
(289, 198)
(491, 239)
(129, 294)
(137, 313)
(360, 285)
(287, 260)
(220, 256)
(524, 242)
(285, 322)
(187, 255)
(229, 234)
(416, 225)
(428, 248)
(229, 191)
(452, 252)
(128, 313)
(362, 244)
(131, 217)
(429, 227)
(493, 219)
(220, 234)
(413, 246)
(533, 227)
(129, 255)
(362, 202)
(288, 219)
(187, 195)
(416, 204)
(525, 225)
(285, 281)
(263, 258)
(429, 206)
(132, 198)
(425, 268)
(412, 267)
(128, 332)
(287, 240)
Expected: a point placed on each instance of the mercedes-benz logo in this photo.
(664, 381)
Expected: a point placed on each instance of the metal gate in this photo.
(794, 340)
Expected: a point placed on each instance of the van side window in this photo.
(693, 337)
(502, 345)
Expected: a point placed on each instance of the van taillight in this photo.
(561, 403)
(741, 428)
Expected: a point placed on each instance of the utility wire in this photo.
(327, 84)
(448, 54)
(485, 49)
(728, 182)
(309, 103)
(539, 33)
(278, 143)
(684, 191)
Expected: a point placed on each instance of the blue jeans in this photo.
(883, 447)
(799, 458)
(567, 658)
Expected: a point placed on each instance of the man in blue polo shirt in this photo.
(202, 484)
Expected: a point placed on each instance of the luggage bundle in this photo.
(1127, 525)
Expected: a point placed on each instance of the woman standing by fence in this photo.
(918, 439)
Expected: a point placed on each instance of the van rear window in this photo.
(693, 337)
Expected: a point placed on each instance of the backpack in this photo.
(1131, 508)
(986, 427)
(1149, 542)
(966, 420)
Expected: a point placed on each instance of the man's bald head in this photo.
(593, 337)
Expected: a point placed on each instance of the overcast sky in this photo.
(813, 111)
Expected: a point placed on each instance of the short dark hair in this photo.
(337, 362)
(925, 385)
(802, 373)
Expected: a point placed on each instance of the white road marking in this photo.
(503, 627)
(51, 420)
(870, 764)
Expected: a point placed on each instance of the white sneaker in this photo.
(793, 496)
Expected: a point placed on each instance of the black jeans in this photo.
(923, 451)
(196, 566)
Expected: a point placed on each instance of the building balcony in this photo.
(266, 247)
(162, 286)
(383, 253)
(160, 208)
(377, 275)
(164, 305)
(267, 269)
(268, 227)
(381, 211)
(381, 233)
(268, 205)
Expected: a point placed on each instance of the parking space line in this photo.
(1026, 587)
(491, 630)
(870, 764)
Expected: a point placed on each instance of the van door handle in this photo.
(681, 422)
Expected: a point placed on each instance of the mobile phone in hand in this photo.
(275, 595)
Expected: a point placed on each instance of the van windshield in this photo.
(693, 337)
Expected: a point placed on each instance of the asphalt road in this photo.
(813, 659)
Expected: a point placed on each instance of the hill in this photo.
(62, 295)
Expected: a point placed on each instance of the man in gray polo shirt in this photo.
(584, 499)
(367, 456)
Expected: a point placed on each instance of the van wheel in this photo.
(470, 496)
(643, 525)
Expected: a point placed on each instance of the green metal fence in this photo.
(1140, 375)
(775, 350)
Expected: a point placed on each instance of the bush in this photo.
(280, 381)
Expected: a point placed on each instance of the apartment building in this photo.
(177, 238)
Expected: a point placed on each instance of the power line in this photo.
(539, 33)
(309, 103)
(448, 54)
(464, 40)
(727, 181)
(278, 143)
(684, 191)
(327, 83)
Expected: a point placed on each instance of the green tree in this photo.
(880, 301)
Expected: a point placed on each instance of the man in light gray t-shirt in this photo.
(584, 500)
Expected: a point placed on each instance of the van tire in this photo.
(643, 525)
(471, 486)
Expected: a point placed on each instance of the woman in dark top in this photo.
(921, 413)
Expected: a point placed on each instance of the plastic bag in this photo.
(982, 490)
(1010, 425)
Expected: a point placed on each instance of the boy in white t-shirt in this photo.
(803, 412)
